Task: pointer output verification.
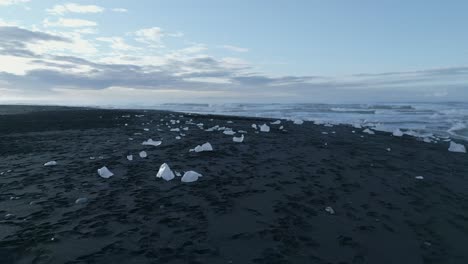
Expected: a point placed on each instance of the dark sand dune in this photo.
(261, 201)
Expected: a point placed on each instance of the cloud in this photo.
(69, 22)
(74, 8)
(119, 10)
(117, 43)
(151, 36)
(234, 48)
(12, 2)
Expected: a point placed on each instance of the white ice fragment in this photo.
(277, 122)
(165, 172)
(190, 176)
(454, 147)
(229, 132)
(130, 138)
(143, 154)
(185, 128)
(146, 129)
(254, 126)
(419, 177)
(298, 122)
(178, 174)
(175, 130)
(50, 163)
(229, 122)
(238, 139)
(389, 149)
(92, 158)
(130, 157)
(368, 131)
(205, 147)
(264, 128)
(325, 133)
(242, 132)
(329, 210)
(177, 137)
(397, 133)
(357, 126)
(281, 127)
(151, 142)
(105, 173)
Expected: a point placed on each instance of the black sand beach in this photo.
(260, 201)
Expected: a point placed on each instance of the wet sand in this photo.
(260, 201)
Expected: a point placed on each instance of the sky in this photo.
(139, 53)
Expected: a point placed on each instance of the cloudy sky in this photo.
(122, 52)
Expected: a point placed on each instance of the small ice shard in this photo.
(242, 132)
(130, 138)
(105, 173)
(92, 158)
(178, 174)
(205, 147)
(178, 137)
(298, 122)
(50, 163)
(229, 122)
(229, 132)
(264, 128)
(146, 129)
(397, 133)
(427, 140)
(357, 126)
(81, 200)
(368, 131)
(143, 154)
(151, 142)
(454, 147)
(419, 177)
(325, 133)
(254, 126)
(353, 131)
(165, 172)
(175, 130)
(389, 149)
(9, 216)
(185, 128)
(137, 134)
(238, 139)
(190, 176)
(126, 124)
(277, 122)
(130, 157)
(329, 210)
(281, 127)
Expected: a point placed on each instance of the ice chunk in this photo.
(254, 126)
(229, 132)
(146, 129)
(165, 172)
(175, 130)
(277, 122)
(330, 210)
(419, 177)
(185, 128)
(229, 122)
(130, 157)
(281, 127)
(368, 131)
(105, 173)
(205, 147)
(178, 174)
(238, 139)
(190, 176)
(242, 131)
(454, 147)
(50, 163)
(298, 122)
(389, 149)
(143, 154)
(177, 137)
(264, 128)
(397, 133)
(151, 142)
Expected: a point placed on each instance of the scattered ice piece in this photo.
(229, 122)
(254, 126)
(185, 128)
(137, 134)
(238, 139)
(178, 137)
(146, 129)
(281, 127)
(277, 122)
(151, 142)
(454, 147)
(205, 147)
(368, 131)
(419, 178)
(9, 216)
(325, 133)
(330, 210)
(130, 157)
(175, 130)
(242, 132)
(229, 132)
(92, 158)
(397, 132)
(143, 154)
(298, 122)
(427, 140)
(126, 124)
(389, 149)
(353, 131)
(264, 128)
(81, 200)
(105, 173)
(50, 163)
(190, 176)
(130, 138)
(165, 172)
(178, 174)
(357, 126)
